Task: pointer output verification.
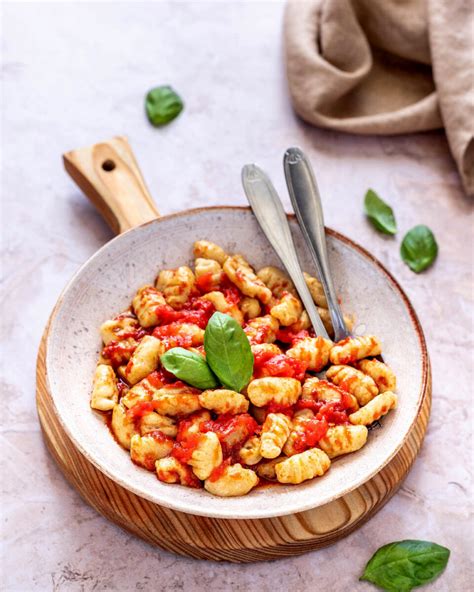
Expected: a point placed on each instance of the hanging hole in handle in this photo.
(108, 165)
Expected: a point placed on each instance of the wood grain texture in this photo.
(109, 175)
(220, 539)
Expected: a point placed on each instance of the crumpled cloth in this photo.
(385, 67)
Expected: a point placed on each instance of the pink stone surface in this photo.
(74, 74)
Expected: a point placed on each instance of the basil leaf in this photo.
(228, 351)
(419, 248)
(379, 213)
(400, 566)
(190, 367)
(162, 105)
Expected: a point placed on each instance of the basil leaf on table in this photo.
(162, 105)
(228, 351)
(403, 565)
(379, 213)
(419, 248)
(190, 367)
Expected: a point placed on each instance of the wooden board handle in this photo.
(108, 174)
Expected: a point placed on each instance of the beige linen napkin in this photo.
(385, 67)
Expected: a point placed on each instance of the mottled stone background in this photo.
(76, 73)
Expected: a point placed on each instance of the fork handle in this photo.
(306, 201)
(268, 210)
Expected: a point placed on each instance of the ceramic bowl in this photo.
(105, 286)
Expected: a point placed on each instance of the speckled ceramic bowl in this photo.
(105, 285)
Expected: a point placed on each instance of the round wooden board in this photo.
(221, 539)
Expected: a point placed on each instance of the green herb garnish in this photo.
(190, 367)
(379, 213)
(403, 565)
(162, 105)
(228, 351)
(419, 248)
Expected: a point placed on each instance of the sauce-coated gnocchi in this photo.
(308, 400)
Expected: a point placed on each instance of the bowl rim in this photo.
(271, 512)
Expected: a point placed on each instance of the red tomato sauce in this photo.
(196, 310)
(118, 352)
(185, 424)
(269, 364)
(219, 471)
(138, 410)
(289, 336)
(159, 378)
(232, 431)
(172, 335)
(314, 430)
(183, 450)
(205, 283)
(333, 412)
(136, 334)
(232, 294)
(277, 408)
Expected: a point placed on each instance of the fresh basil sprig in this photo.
(419, 248)
(403, 565)
(162, 105)
(379, 213)
(228, 351)
(190, 367)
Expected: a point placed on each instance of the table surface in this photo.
(74, 74)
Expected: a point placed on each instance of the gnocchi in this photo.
(152, 422)
(343, 439)
(316, 290)
(208, 274)
(303, 466)
(381, 374)
(275, 432)
(250, 307)
(206, 456)
(243, 276)
(353, 381)
(285, 425)
(175, 401)
(122, 426)
(272, 389)
(234, 481)
(312, 350)
(224, 401)
(146, 450)
(144, 359)
(262, 329)
(287, 310)
(170, 470)
(104, 390)
(119, 328)
(206, 250)
(221, 304)
(352, 349)
(276, 281)
(250, 452)
(176, 285)
(298, 431)
(378, 406)
(146, 304)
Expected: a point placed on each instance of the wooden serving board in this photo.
(186, 534)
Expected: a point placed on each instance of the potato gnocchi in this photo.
(285, 426)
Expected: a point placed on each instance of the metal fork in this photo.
(306, 201)
(268, 210)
